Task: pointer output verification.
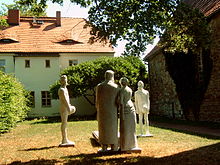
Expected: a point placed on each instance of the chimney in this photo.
(13, 17)
(58, 18)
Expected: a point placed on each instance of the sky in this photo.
(71, 10)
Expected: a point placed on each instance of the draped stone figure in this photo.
(128, 139)
(106, 94)
(142, 104)
(65, 109)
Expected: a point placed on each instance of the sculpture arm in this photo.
(96, 99)
(136, 103)
(148, 101)
(121, 105)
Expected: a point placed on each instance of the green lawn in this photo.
(36, 142)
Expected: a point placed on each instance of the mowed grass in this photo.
(36, 142)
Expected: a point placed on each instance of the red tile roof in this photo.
(208, 7)
(47, 37)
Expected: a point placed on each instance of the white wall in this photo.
(81, 57)
(38, 78)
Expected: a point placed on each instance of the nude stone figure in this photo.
(142, 104)
(106, 94)
(128, 139)
(65, 109)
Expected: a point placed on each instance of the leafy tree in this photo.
(84, 77)
(137, 21)
(13, 103)
(188, 30)
(33, 9)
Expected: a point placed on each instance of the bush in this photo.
(84, 77)
(13, 103)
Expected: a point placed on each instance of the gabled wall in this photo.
(210, 108)
(163, 96)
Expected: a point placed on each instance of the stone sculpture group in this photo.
(111, 100)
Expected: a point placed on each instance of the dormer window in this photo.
(69, 41)
(7, 40)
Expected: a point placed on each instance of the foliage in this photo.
(3, 22)
(84, 77)
(137, 21)
(13, 103)
(188, 30)
(33, 9)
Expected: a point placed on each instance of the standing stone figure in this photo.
(142, 104)
(65, 109)
(106, 94)
(128, 139)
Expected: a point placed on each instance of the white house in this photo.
(35, 50)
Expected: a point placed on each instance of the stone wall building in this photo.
(164, 99)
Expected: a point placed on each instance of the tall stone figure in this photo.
(128, 139)
(142, 104)
(65, 109)
(106, 94)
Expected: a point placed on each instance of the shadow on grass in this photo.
(189, 131)
(57, 119)
(208, 155)
(36, 162)
(94, 143)
(37, 149)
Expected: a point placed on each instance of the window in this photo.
(2, 65)
(27, 64)
(45, 99)
(8, 40)
(73, 62)
(47, 63)
(32, 99)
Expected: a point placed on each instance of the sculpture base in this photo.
(95, 134)
(108, 151)
(134, 150)
(145, 135)
(69, 144)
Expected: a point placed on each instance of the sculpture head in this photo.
(109, 75)
(124, 81)
(63, 80)
(140, 84)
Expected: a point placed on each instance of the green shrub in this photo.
(84, 77)
(13, 103)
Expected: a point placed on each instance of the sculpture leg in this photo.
(141, 122)
(64, 117)
(146, 123)
(104, 148)
(114, 147)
